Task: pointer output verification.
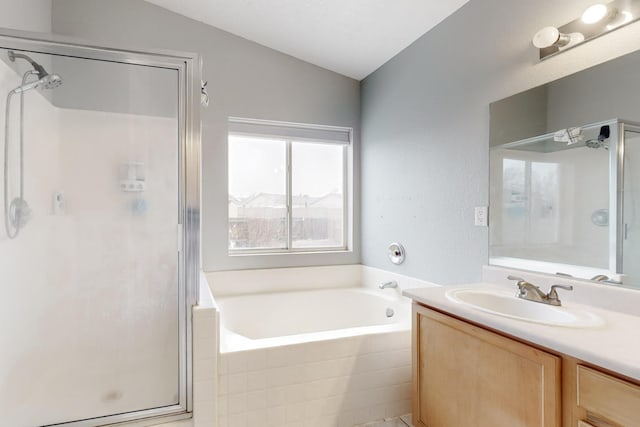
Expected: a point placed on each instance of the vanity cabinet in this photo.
(467, 376)
(607, 400)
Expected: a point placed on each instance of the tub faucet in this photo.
(390, 284)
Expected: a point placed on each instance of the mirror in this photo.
(565, 176)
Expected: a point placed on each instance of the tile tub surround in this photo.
(326, 383)
(205, 360)
(334, 383)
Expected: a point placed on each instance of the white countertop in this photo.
(614, 346)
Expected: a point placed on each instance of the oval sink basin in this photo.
(506, 305)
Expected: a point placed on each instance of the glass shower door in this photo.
(89, 263)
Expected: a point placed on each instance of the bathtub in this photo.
(325, 358)
(284, 318)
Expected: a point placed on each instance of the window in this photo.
(531, 202)
(287, 187)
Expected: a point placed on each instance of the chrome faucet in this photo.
(390, 284)
(533, 293)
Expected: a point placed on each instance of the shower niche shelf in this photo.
(133, 179)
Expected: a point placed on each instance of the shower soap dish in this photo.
(133, 180)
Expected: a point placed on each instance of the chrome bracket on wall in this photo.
(595, 21)
(204, 93)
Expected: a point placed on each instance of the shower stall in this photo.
(99, 248)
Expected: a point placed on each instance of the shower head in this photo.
(601, 141)
(50, 81)
(46, 80)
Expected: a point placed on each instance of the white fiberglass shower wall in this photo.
(94, 285)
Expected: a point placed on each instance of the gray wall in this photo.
(604, 92)
(27, 15)
(245, 80)
(600, 93)
(425, 129)
(519, 116)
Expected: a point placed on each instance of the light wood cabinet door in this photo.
(467, 376)
(608, 398)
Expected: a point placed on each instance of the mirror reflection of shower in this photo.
(17, 212)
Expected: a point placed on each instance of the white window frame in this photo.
(292, 133)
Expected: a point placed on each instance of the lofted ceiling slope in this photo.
(350, 37)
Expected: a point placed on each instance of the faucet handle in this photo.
(521, 283)
(553, 295)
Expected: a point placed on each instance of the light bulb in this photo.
(550, 36)
(594, 13)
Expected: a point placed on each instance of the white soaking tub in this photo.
(327, 358)
(272, 319)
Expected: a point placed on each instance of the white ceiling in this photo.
(350, 37)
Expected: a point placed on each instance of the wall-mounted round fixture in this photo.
(594, 13)
(396, 253)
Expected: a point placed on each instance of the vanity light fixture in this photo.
(597, 20)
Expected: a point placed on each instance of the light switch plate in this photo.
(481, 216)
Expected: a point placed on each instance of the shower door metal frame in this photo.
(619, 158)
(187, 66)
(616, 160)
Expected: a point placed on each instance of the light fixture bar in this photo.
(595, 21)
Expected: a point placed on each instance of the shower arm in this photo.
(37, 67)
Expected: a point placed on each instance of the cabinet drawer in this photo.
(608, 397)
